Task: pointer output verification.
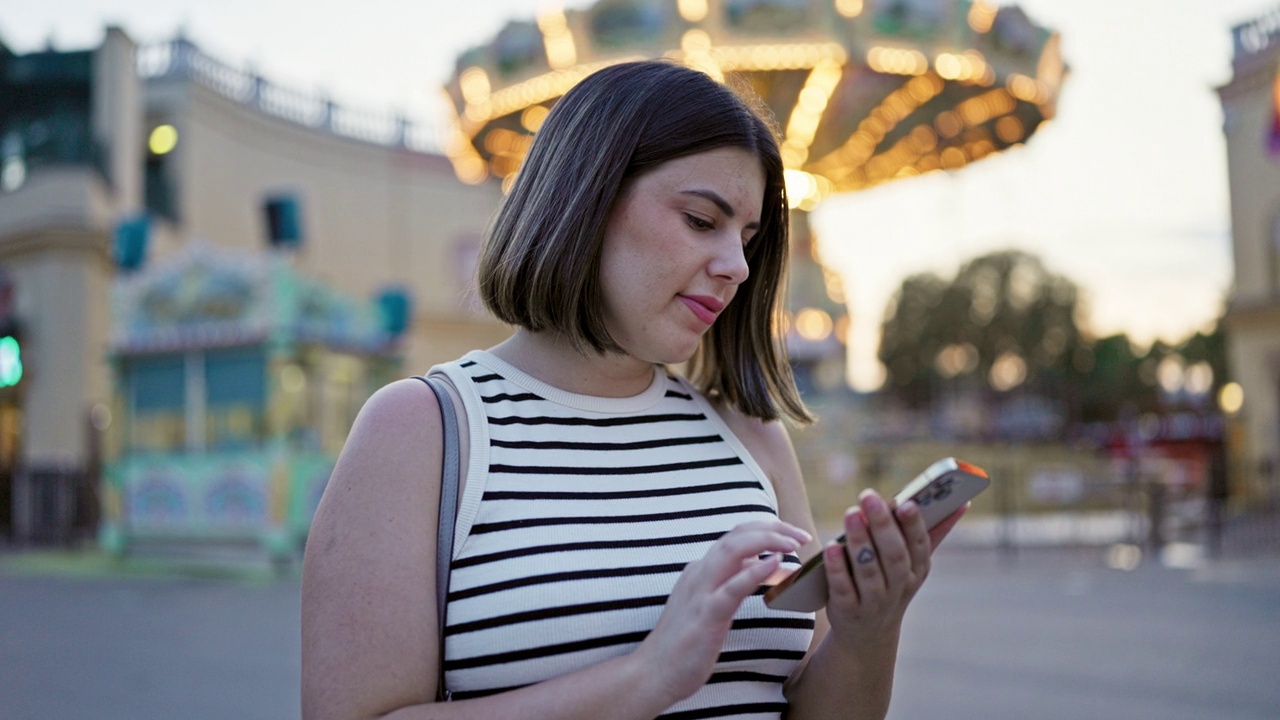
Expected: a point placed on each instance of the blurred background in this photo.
(1043, 237)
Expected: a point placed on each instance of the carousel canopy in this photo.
(864, 91)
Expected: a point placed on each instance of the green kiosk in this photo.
(237, 379)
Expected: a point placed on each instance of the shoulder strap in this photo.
(449, 481)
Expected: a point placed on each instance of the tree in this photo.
(1003, 322)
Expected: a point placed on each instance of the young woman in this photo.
(616, 521)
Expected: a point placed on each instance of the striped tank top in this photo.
(578, 515)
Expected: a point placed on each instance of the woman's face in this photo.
(674, 251)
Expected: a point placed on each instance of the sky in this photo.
(1124, 192)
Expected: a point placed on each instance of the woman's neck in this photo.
(553, 360)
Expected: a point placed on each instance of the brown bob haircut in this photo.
(540, 266)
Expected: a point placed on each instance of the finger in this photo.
(840, 586)
(863, 558)
(750, 577)
(919, 547)
(740, 545)
(749, 543)
(890, 545)
(942, 529)
(735, 536)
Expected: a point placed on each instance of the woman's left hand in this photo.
(873, 576)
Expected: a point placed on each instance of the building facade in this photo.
(117, 157)
(1251, 110)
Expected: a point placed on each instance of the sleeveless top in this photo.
(579, 514)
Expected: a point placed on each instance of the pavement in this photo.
(1002, 630)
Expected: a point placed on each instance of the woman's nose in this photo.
(730, 264)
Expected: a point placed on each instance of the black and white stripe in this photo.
(579, 515)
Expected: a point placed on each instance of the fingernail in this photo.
(873, 502)
(907, 509)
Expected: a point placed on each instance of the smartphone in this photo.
(939, 491)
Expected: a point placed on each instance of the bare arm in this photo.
(369, 635)
(848, 672)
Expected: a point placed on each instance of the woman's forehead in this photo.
(733, 174)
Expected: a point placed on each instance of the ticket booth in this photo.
(236, 382)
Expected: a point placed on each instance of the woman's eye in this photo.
(698, 223)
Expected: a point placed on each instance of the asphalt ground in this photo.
(1040, 633)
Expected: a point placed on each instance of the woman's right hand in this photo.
(682, 649)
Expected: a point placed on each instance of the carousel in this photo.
(237, 379)
(863, 92)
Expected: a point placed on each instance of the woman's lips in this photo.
(705, 307)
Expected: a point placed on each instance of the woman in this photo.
(616, 521)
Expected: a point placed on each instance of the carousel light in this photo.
(557, 40)
(470, 170)
(692, 10)
(1025, 88)
(977, 69)
(812, 100)
(533, 117)
(897, 61)
(923, 139)
(474, 83)
(467, 164)
(800, 185)
(948, 123)
(982, 15)
(479, 112)
(807, 113)
(793, 156)
(814, 324)
(1049, 68)
(1009, 129)
(953, 158)
(695, 40)
(948, 66)
(849, 8)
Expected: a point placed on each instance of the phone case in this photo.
(939, 491)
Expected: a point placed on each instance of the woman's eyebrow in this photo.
(720, 202)
(714, 197)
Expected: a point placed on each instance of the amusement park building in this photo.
(1251, 110)
(122, 159)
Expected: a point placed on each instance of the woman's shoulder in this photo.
(399, 411)
(395, 436)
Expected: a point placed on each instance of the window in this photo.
(157, 391)
(235, 395)
(200, 401)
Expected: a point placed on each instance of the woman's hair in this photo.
(540, 266)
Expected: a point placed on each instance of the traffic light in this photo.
(10, 360)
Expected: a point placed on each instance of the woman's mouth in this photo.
(704, 307)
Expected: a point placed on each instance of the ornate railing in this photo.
(180, 58)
